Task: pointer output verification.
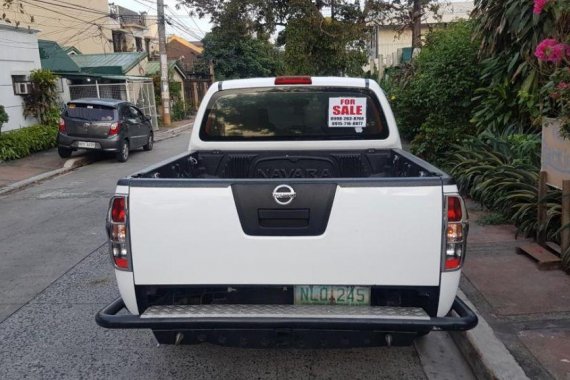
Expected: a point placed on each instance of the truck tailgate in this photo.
(375, 235)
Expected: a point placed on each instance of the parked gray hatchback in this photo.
(108, 125)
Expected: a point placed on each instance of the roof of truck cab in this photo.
(99, 101)
(270, 82)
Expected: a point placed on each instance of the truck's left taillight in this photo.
(117, 230)
(455, 236)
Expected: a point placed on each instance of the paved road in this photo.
(55, 274)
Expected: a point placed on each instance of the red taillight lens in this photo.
(293, 80)
(115, 129)
(118, 212)
(452, 263)
(118, 232)
(61, 125)
(454, 211)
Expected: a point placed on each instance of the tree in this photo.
(237, 49)
(265, 16)
(41, 102)
(318, 45)
(3, 116)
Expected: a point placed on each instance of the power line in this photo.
(66, 5)
(58, 13)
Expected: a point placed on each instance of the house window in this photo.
(138, 42)
(21, 85)
(119, 41)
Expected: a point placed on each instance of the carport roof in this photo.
(112, 63)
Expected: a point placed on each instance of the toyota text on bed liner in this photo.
(295, 218)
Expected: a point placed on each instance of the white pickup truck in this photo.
(295, 218)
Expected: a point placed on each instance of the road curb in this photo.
(487, 355)
(68, 166)
(76, 162)
(168, 134)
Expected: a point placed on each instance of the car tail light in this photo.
(61, 125)
(117, 231)
(456, 227)
(293, 80)
(115, 129)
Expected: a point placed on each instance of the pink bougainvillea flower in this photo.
(539, 6)
(550, 50)
(563, 86)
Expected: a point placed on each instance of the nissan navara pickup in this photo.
(295, 218)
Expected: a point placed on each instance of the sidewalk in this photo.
(43, 165)
(528, 309)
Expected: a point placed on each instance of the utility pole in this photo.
(164, 90)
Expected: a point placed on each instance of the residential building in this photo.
(175, 72)
(19, 55)
(185, 52)
(138, 31)
(89, 26)
(389, 44)
(84, 24)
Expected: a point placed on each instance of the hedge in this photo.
(22, 142)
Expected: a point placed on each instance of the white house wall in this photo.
(19, 54)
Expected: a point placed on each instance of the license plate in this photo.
(85, 144)
(332, 295)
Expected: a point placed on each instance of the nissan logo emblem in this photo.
(284, 194)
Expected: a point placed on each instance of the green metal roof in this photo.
(112, 63)
(153, 67)
(54, 58)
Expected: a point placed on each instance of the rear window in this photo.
(309, 113)
(90, 112)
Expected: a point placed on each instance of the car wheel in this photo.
(150, 142)
(123, 153)
(64, 152)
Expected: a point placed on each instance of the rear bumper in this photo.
(460, 318)
(108, 144)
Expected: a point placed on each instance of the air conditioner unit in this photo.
(22, 88)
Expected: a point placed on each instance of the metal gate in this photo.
(140, 93)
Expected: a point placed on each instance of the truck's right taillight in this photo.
(118, 232)
(456, 227)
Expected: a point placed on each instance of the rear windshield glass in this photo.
(90, 112)
(315, 113)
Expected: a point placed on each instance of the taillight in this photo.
(456, 226)
(118, 232)
(61, 125)
(115, 129)
(293, 80)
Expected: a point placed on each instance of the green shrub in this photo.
(433, 98)
(178, 110)
(500, 170)
(22, 142)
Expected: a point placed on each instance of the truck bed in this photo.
(393, 163)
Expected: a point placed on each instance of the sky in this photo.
(191, 28)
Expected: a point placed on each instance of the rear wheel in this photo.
(64, 152)
(150, 142)
(123, 153)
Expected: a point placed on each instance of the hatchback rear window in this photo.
(301, 113)
(92, 112)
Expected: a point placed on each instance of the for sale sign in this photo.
(347, 113)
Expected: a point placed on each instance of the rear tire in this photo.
(123, 153)
(149, 143)
(64, 152)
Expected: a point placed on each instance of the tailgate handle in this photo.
(283, 218)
